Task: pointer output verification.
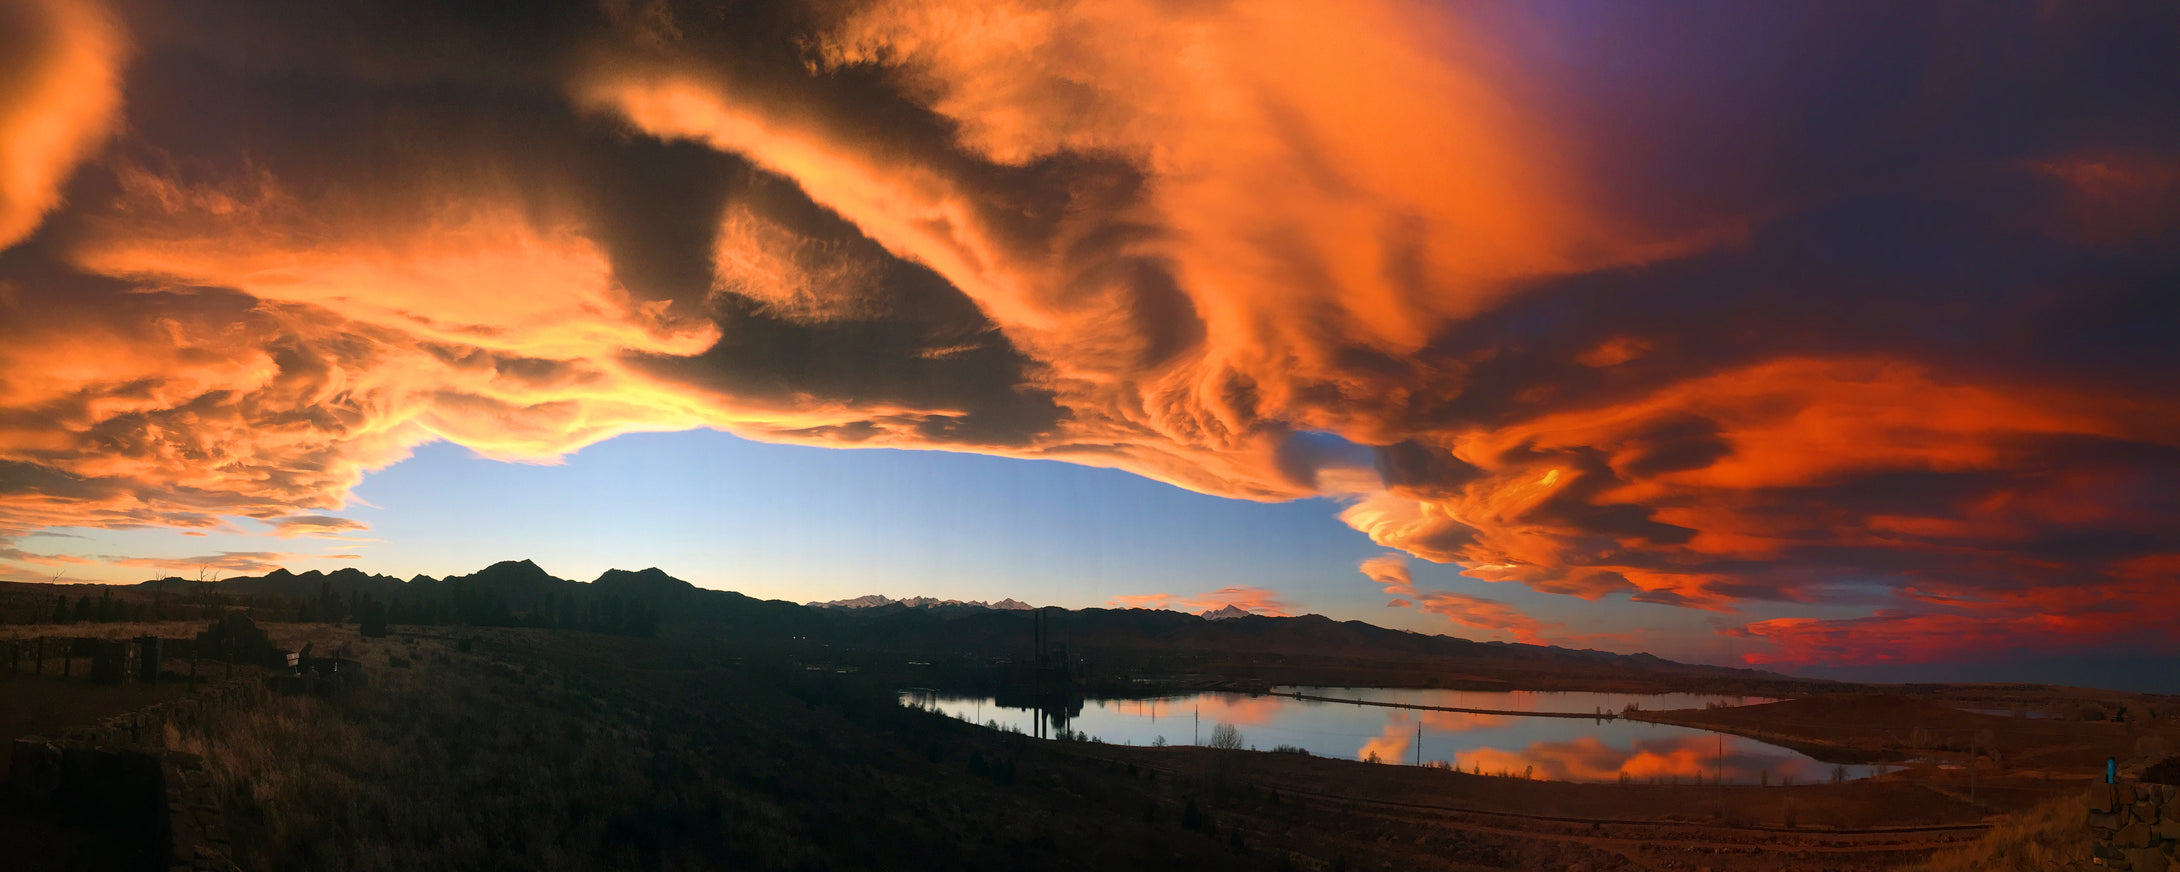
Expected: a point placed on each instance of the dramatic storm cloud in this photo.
(1867, 311)
(60, 65)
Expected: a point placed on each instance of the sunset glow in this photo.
(1563, 327)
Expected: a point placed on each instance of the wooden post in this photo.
(1972, 769)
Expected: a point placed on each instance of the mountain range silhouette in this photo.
(517, 592)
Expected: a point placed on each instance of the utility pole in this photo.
(1721, 779)
(1199, 724)
(1419, 741)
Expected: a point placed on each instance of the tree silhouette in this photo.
(372, 619)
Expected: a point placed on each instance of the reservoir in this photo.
(1557, 748)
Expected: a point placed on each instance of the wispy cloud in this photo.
(224, 561)
(1255, 600)
(1391, 571)
(323, 526)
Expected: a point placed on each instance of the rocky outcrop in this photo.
(161, 800)
(2135, 827)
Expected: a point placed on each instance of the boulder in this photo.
(2135, 835)
(2101, 798)
(236, 638)
(2147, 860)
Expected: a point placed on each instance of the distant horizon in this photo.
(2138, 674)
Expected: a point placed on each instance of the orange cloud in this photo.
(60, 72)
(1680, 757)
(1239, 709)
(1395, 743)
(1255, 600)
(1590, 759)
(1391, 570)
(315, 525)
(1159, 302)
(1484, 614)
(1578, 502)
(1390, 746)
(226, 561)
(1611, 332)
(2129, 614)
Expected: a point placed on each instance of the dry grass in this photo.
(114, 631)
(541, 749)
(554, 750)
(2048, 837)
(442, 765)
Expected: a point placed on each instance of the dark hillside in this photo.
(1118, 644)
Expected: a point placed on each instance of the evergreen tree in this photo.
(371, 618)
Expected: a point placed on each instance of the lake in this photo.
(1563, 749)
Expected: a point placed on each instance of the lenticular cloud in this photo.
(1612, 331)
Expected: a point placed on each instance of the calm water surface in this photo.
(1563, 749)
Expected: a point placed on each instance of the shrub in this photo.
(372, 624)
(1225, 737)
(2166, 771)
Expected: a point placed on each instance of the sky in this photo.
(1818, 337)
